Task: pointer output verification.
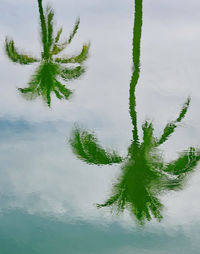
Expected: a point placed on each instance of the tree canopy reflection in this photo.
(46, 78)
(144, 174)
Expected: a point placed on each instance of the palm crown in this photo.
(45, 80)
(144, 173)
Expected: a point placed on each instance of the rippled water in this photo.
(112, 167)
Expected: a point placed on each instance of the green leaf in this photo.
(50, 15)
(26, 90)
(86, 147)
(58, 35)
(44, 33)
(184, 110)
(83, 55)
(148, 138)
(63, 90)
(185, 163)
(33, 87)
(110, 201)
(80, 58)
(171, 126)
(69, 74)
(176, 184)
(28, 93)
(48, 96)
(74, 31)
(57, 48)
(15, 56)
(58, 95)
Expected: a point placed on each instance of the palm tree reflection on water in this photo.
(46, 78)
(144, 174)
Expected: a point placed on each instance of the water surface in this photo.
(48, 196)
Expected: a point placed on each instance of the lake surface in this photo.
(62, 188)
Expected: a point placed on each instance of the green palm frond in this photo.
(171, 126)
(118, 199)
(80, 58)
(26, 90)
(46, 95)
(151, 207)
(185, 163)
(110, 202)
(176, 184)
(58, 47)
(74, 31)
(15, 56)
(34, 84)
(49, 18)
(30, 91)
(148, 138)
(44, 33)
(83, 55)
(69, 74)
(63, 90)
(59, 32)
(28, 94)
(58, 95)
(85, 146)
(155, 206)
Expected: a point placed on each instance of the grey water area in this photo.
(48, 196)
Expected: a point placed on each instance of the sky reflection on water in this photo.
(40, 177)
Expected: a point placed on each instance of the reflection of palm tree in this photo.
(144, 173)
(45, 80)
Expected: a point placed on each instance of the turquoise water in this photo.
(37, 234)
(51, 180)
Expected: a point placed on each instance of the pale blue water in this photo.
(38, 234)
